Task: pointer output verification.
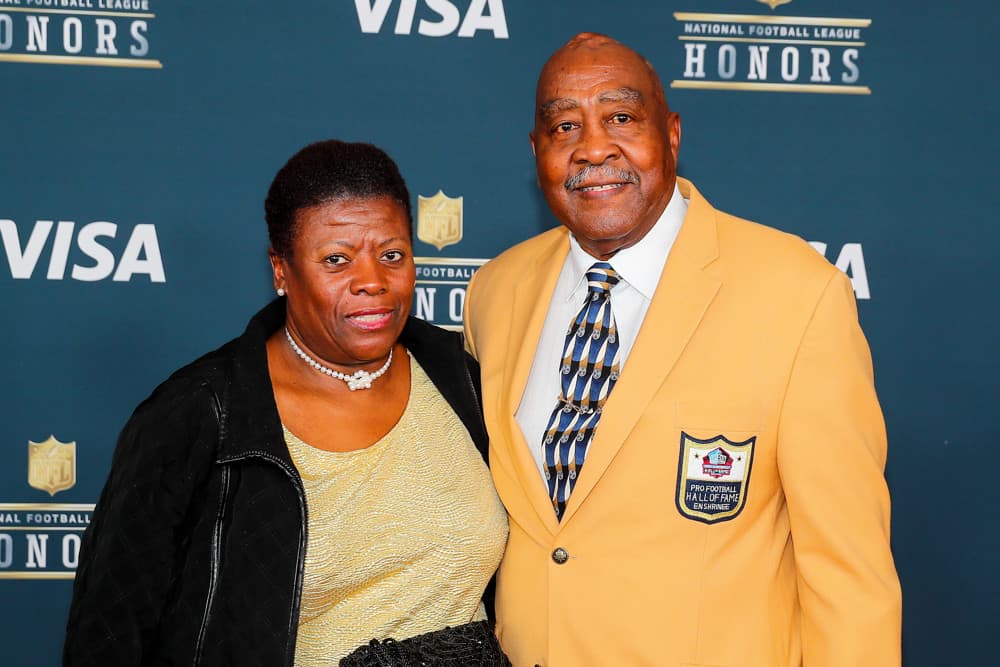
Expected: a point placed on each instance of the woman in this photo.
(314, 483)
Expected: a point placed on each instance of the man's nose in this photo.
(596, 145)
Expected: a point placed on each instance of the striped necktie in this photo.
(590, 367)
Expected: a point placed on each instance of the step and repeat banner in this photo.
(138, 139)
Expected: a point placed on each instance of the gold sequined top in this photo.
(403, 535)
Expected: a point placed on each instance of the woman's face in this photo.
(349, 279)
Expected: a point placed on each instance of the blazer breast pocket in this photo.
(715, 460)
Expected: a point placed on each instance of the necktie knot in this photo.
(601, 277)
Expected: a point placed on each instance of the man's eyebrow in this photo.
(559, 104)
(620, 95)
(552, 107)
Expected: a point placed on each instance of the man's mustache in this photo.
(604, 173)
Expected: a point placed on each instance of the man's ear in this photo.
(674, 133)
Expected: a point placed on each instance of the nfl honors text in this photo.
(771, 52)
(109, 33)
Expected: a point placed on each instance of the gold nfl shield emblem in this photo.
(713, 477)
(51, 465)
(439, 219)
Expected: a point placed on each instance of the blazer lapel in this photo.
(529, 308)
(682, 297)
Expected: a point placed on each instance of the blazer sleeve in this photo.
(470, 341)
(831, 457)
(132, 548)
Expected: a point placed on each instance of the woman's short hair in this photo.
(327, 171)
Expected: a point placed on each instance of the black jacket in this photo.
(195, 551)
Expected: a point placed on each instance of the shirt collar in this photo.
(639, 265)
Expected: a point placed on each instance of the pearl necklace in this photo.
(357, 380)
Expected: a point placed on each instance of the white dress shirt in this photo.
(639, 267)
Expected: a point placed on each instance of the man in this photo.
(721, 503)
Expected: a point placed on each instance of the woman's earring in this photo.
(281, 291)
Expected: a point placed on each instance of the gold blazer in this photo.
(732, 511)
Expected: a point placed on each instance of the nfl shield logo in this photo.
(439, 219)
(51, 465)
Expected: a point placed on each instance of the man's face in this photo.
(605, 145)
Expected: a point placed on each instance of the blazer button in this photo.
(560, 555)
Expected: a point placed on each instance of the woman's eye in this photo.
(393, 255)
(336, 260)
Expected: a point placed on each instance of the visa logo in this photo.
(140, 256)
(441, 17)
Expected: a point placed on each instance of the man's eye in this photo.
(336, 260)
(621, 118)
(564, 127)
(393, 256)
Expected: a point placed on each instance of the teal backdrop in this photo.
(138, 139)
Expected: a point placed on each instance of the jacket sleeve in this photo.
(469, 337)
(831, 457)
(134, 545)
